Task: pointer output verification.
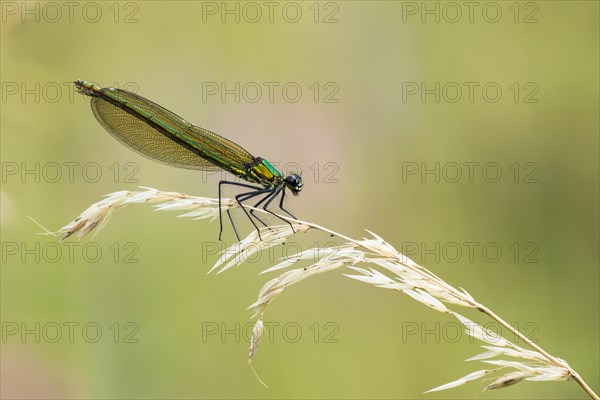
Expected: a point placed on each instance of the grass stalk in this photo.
(388, 269)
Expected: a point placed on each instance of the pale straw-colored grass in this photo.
(370, 260)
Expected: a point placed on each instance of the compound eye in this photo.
(292, 179)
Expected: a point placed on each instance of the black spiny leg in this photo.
(248, 195)
(251, 195)
(279, 189)
(256, 189)
(281, 205)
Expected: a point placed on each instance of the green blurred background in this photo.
(358, 129)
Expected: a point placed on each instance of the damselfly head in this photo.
(294, 183)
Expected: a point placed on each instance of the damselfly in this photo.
(159, 134)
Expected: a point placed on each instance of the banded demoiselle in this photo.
(155, 132)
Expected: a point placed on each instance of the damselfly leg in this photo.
(270, 193)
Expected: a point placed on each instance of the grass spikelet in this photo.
(370, 260)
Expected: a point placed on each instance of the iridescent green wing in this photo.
(155, 132)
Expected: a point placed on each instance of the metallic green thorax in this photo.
(159, 134)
